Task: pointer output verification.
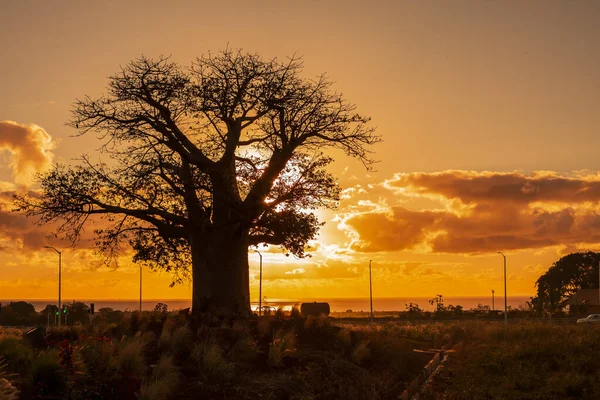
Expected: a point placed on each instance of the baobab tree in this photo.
(204, 162)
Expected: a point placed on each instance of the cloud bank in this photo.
(30, 147)
(479, 212)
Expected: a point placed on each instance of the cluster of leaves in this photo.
(562, 280)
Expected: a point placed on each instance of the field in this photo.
(527, 360)
(164, 356)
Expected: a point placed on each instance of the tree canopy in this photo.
(564, 278)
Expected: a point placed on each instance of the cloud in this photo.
(30, 147)
(502, 187)
(498, 211)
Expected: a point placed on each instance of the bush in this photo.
(17, 354)
(7, 389)
(181, 343)
(282, 347)
(214, 364)
(131, 362)
(361, 355)
(96, 354)
(245, 350)
(163, 383)
(49, 378)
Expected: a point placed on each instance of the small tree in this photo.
(438, 301)
(78, 312)
(204, 162)
(413, 309)
(161, 308)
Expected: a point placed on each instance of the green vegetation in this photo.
(529, 360)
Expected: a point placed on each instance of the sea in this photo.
(335, 304)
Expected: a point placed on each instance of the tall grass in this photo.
(158, 357)
(529, 360)
(8, 391)
(163, 382)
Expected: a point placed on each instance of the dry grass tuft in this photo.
(130, 362)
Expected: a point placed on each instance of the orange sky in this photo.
(488, 111)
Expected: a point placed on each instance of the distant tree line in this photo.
(18, 313)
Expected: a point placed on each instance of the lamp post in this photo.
(140, 289)
(371, 290)
(59, 279)
(260, 286)
(493, 307)
(505, 306)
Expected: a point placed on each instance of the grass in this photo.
(524, 361)
(160, 357)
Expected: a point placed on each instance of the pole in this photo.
(59, 284)
(371, 289)
(599, 282)
(140, 288)
(505, 302)
(59, 280)
(493, 307)
(260, 286)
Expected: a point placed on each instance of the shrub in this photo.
(164, 341)
(96, 354)
(7, 390)
(321, 322)
(163, 382)
(181, 342)
(295, 313)
(245, 350)
(130, 362)
(345, 338)
(214, 364)
(283, 346)
(48, 375)
(17, 354)
(361, 354)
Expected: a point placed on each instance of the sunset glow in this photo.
(488, 114)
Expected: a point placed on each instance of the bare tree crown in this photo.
(232, 141)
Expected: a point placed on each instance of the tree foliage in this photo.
(563, 279)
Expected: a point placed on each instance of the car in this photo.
(590, 318)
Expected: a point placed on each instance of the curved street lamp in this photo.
(59, 279)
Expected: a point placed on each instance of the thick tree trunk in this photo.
(220, 274)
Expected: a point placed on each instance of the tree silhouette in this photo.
(564, 278)
(438, 300)
(204, 162)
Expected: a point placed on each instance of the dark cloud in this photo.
(477, 187)
(505, 212)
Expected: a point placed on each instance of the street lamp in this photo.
(260, 286)
(493, 305)
(59, 279)
(140, 288)
(505, 307)
(371, 290)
